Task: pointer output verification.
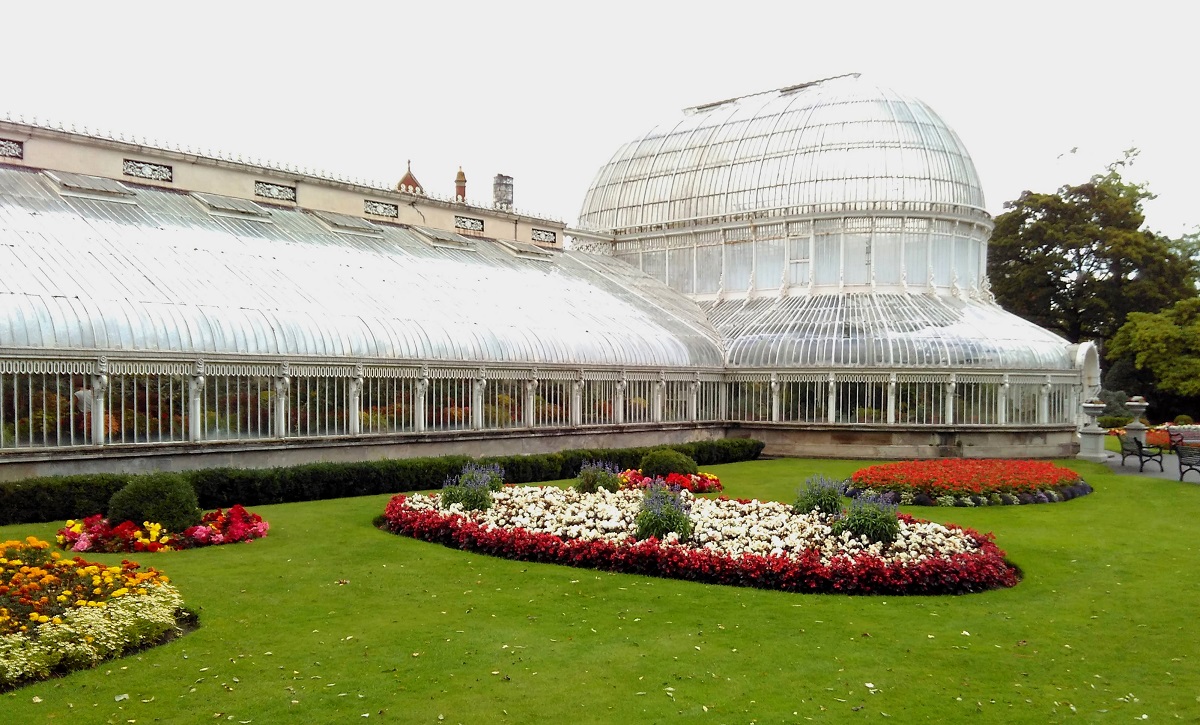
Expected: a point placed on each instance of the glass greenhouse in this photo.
(808, 259)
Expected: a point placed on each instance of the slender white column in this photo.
(577, 400)
(477, 389)
(99, 414)
(831, 400)
(774, 397)
(891, 398)
(530, 408)
(619, 402)
(354, 422)
(421, 402)
(950, 386)
(283, 385)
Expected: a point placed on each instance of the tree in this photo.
(1167, 344)
(1079, 262)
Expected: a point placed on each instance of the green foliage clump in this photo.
(596, 475)
(1114, 421)
(820, 494)
(663, 511)
(163, 498)
(1184, 419)
(57, 498)
(870, 516)
(473, 487)
(661, 462)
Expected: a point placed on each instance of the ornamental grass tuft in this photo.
(597, 475)
(872, 516)
(820, 493)
(663, 511)
(472, 488)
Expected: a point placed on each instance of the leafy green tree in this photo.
(1079, 261)
(1167, 344)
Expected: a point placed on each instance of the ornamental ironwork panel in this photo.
(278, 192)
(381, 208)
(12, 149)
(147, 170)
(467, 223)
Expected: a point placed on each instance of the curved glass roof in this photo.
(164, 275)
(842, 144)
(890, 331)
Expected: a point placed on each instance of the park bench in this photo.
(1183, 437)
(1131, 446)
(1189, 458)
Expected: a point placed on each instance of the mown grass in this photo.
(328, 619)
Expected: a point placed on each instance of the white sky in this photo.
(547, 92)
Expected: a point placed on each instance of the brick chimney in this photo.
(460, 185)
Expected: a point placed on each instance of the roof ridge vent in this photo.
(705, 107)
(809, 84)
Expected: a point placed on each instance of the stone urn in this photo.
(1137, 405)
(1092, 409)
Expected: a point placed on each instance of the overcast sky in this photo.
(547, 92)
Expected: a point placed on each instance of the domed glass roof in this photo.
(884, 331)
(841, 144)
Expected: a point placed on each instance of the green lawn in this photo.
(1101, 629)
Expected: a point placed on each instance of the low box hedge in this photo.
(57, 498)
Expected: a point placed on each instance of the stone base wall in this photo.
(145, 458)
(893, 442)
(783, 440)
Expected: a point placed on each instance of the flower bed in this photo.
(752, 543)
(96, 534)
(969, 482)
(59, 614)
(695, 482)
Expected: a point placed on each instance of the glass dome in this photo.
(841, 144)
(833, 224)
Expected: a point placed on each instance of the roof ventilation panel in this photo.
(82, 186)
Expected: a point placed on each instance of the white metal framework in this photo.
(812, 256)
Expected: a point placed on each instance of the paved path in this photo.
(1170, 463)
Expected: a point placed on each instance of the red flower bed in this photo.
(863, 574)
(965, 477)
(695, 482)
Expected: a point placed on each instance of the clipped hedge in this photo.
(57, 498)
